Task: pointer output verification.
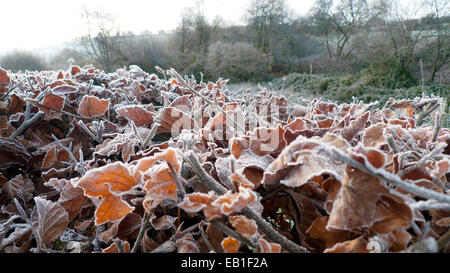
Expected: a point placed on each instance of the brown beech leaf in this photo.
(147, 243)
(373, 136)
(70, 197)
(266, 247)
(197, 201)
(107, 235)
(355, 127)
(49, 220)
(302, 160)
(158, 181)
(358, 245)
(230, 245)
(12, 152)
(187, 244)
(64, 89)
(109, 182)
(52, 103)
(162, 223)
(364, 200)
(129, 227)
(113, 248)
(331, 236)
(19, 187)
(49, 159)
(173, 121)
(235, 202)
(4, 81)
(246, 227)
(138, 114)
(91, 106)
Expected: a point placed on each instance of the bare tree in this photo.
(339, 21)
(102, 41)
(405, 32)
(440, 35)
(263, 17)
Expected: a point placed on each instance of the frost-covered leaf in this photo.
(49, 220)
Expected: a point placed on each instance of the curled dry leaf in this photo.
(4, 81)
(302, 160)
(114, 249)
(138, 114)
(358, 245)
(109, 182)
(162, 223)
(158, 181)
(246, 227)
(49, 219)
(187, 244)
(197, 201)
(12, 152)
(365, 201)
(230, 245)
(70, 197)
(19, 187)
(91, 106)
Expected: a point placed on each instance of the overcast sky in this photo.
(30, 24)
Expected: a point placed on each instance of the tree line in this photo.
(398, 44)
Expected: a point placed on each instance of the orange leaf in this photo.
(113, 248)
(266, 247)
(246, 227)
(4, 81)
(136, 113)
(92, 106)
(109, 182)
(230, 245)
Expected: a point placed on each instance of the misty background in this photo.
(384, 43)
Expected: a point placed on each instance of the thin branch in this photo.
(150, 135)
(145, 224)
(79, 169)
(119, 246)
(206, 241)
(26, 124)
(430, 205)
(389, 177)
(228, 231)
(181, 190)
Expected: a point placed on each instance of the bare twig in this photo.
(430, 205)
(228, 231)
(145, 224)
(28, 220)
(12, 89)
(437, 126)
(119, 246)
(206, 241)
(26, 124)
(437, 150)
(428, 110)
(150, 135)
(78, 166)
(181, 190)
(389, 177)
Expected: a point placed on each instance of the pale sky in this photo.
(31, 24)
